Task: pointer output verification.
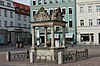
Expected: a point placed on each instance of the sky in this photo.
(27, 2)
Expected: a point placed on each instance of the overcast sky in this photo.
(27, 2)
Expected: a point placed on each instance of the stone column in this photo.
(45, 36)
(52, 36)
(32, 57)
(63, 37)
(8, 56)
(60, 57)
(33, 37)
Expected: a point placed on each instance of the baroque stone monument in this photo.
(43, 19)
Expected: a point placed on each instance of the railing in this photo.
(17, 56)
(72, 56)
(75, 55)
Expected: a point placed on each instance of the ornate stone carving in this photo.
(57, 15)
(42, 15)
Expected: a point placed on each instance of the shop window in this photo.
(85, 37)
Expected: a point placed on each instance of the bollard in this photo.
(27, 54)
(60, 58)
(32, 57)
(86, 53)
(75, 56)
(8, 57)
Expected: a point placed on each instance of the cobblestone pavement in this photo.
(93, 60)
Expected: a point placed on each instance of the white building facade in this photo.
(7, 19)
(88, 21)
(14, 25)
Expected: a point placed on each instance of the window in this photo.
(19, 24)
(34, 13)
(81, 9)
(70, 10)
(70, 23)
(92, 37)
(63, 11)
(1, 2)
(57, 28)
(29, 26)
(45, 11)
(98, 21)
(8, 4)
(24, 17)
(45, 1)
(34, 2)
(89, 8)
(0, 23)
(85, 37)
(5, 24)
(90, 22)
(56, 1)
(51, 11)
(63, 0)
(5, 13)
(11, 23)
(98, 8)
(69, 0)
(39, 2)
(11, 14)
(24, 25)
(23, 10)
(17, 9)
(19, 17)
(51, 1)
(81, 22)
(0, 12)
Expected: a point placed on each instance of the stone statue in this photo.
(57, 15)
(42, 15)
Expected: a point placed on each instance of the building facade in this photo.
(12, 26)
(22, 22)
(67, 9)
(7, 20)
(88, 21)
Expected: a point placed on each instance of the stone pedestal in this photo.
(48, 53)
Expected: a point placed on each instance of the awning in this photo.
(69, 35)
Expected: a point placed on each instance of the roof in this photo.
(21, 6)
